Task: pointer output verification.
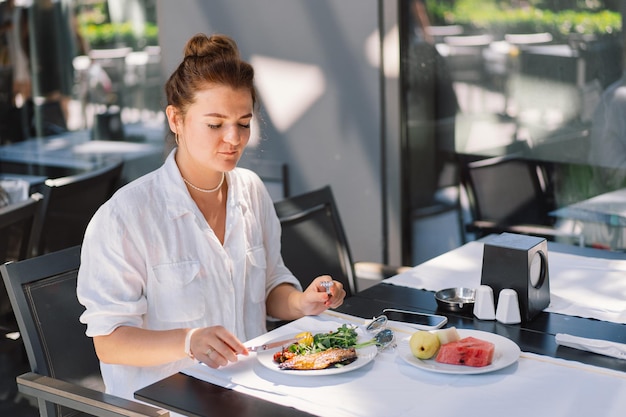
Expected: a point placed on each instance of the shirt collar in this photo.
(178, 202)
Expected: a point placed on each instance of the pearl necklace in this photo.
(204, 190)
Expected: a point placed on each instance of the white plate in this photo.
(364, 356)
(506, 353)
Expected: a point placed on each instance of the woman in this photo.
(184, 263)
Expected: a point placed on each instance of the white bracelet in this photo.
(188, 342)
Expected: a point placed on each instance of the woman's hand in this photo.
(316, 298)
(127, 345)
(285, 302)
(215, 346)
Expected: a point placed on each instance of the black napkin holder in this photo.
(518, 262)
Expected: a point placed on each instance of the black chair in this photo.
(19, 235)
(65, 373)
(510, 194)
(70, 202)
(20, 229)
(314, 243)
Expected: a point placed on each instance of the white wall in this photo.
(321, 97)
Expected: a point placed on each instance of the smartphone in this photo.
(420, 321)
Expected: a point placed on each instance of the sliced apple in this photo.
(448, 335)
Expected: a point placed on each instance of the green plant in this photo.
(440, 12)
(109, 35)
(498, 17)
(601, 23)
(99, 36)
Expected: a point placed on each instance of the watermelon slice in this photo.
(468, 351)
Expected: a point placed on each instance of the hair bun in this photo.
(208, 60)
(202, 45)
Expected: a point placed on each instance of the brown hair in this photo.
(208, 60)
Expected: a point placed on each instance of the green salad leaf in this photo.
(344, 337)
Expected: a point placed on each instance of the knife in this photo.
(272, 345)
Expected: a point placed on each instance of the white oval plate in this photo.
(506, 353)
(364, 356)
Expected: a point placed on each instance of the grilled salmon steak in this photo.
(319, 360)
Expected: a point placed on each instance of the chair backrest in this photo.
(70, 203)
(19, 228)
(43, 295)
(313, 240)
(19, 235)
(507, 191)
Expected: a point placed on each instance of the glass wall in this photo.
(528, 79)
(75, 64)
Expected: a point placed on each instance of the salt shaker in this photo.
(508, 307)
(484, 308)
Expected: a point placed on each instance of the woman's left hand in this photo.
(317, 298)
(285, 302)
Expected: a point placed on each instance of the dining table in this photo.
(601, 219)
(75, 152)
(532, 373)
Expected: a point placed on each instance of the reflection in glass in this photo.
(540, 80)
(83, 63)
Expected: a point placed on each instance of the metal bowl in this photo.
(456, 299)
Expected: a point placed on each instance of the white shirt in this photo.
(149, 259)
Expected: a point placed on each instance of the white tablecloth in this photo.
(579, 285)
(534, 386)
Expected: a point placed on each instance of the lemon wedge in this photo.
(305, 338)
